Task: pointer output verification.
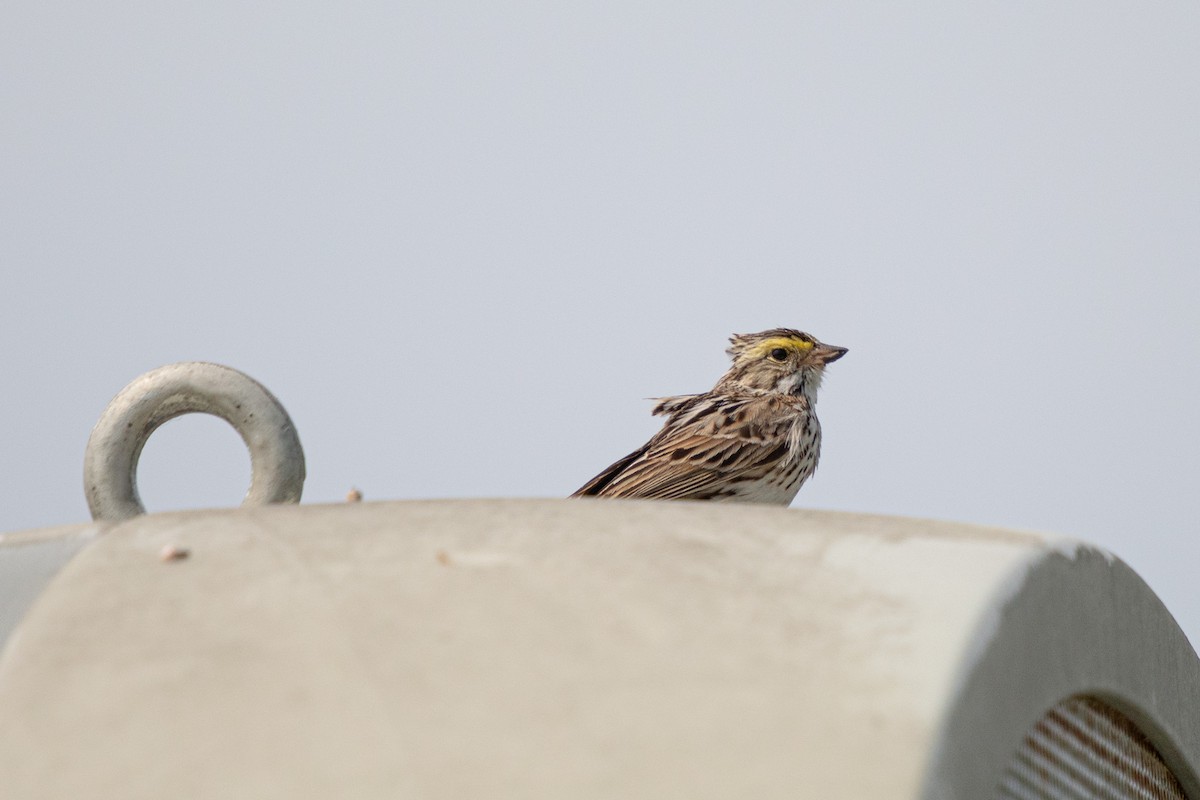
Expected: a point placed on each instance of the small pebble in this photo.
(174, 552)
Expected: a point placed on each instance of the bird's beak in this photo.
(827, 353)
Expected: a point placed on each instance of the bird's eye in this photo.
(779, 354)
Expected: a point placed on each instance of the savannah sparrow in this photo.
(754, 438)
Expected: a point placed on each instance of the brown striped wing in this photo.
(707, 444)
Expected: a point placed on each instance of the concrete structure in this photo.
(578, 648)
(564, 648)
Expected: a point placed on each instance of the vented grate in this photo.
(1084, 750)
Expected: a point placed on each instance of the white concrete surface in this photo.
(584, 649)
(28, 560)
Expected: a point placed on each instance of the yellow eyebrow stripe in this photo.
(786, 342)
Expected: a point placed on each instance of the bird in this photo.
(753, 438)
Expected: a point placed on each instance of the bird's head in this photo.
(779, 360)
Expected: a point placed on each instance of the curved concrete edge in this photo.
(582, 648)
(1073, 620)
(535, 648)
(28, 562)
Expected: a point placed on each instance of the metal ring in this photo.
(111, 459)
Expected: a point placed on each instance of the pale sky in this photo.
(462, 242)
